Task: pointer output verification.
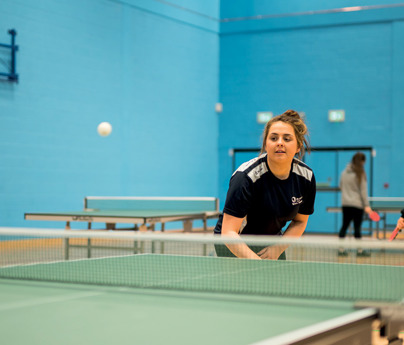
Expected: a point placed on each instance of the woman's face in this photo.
(281, 144)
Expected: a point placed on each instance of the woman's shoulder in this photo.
(302, 169)
(301, 163)
(254, 168)
(252, 164)
(348, 171)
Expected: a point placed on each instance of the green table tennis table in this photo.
(143, 212)
(176, 299)
(383, 206)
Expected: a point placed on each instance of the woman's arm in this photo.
(297, 226)
(295, 229)
(230, 228)
(364, 196)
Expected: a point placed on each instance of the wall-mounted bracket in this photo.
(12, 74)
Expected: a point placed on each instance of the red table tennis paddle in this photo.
(394, 234)
(374, 216)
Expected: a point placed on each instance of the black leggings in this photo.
(350, 214)
(222, 250)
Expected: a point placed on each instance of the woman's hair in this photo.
(357, 163)
(292, 118)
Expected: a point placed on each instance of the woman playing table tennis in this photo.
(354, 199)
(270, 190)
(354, 195)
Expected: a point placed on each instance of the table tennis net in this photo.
(314, 268)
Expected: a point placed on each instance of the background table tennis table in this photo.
(383, 206)
(145, 303)
(143, 212)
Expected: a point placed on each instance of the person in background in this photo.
(399, 226)
(354, 198)
(400, 222)
(270, 190)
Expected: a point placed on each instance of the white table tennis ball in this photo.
(104, 129)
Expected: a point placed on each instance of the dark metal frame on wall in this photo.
(12, 75)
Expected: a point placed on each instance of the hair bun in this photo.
(292, 113)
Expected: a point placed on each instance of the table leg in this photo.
(89, 242)
(163, 227)
(67, 227)
(187, 225)
(66, 248)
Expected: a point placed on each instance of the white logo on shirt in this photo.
(297, 201)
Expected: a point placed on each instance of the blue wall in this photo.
(149, 72)
(313, 63)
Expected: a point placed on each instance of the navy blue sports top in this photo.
(268, 202)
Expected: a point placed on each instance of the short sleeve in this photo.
(307, 207)
(239, 196)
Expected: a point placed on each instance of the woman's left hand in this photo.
(270, 253)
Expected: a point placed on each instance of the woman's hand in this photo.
(400, 223)
(271, 252)
(230, 228)
(295, 229)
(368, 210)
